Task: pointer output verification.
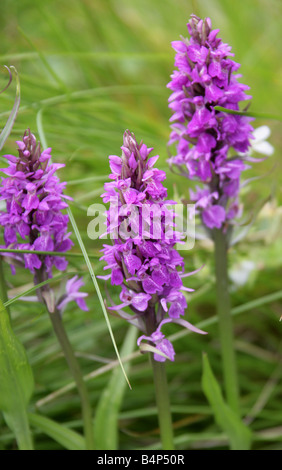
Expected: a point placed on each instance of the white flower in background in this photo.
(241, 272)
(259, 143)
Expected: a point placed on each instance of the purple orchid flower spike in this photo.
(34, 201)
(34, 221)
(145, 264)
(211, 146)
(34, 218)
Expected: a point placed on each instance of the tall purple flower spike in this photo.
(210, 145)
(146, 265)
(33, 219)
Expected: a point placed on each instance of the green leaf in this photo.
(16, 381)
(10, 122)
(107, 412)
(248, 113)
(69, 439)
(238, 434)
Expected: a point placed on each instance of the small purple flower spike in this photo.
(34, 203)
(33, 219)
(146, 264)
(211, 145)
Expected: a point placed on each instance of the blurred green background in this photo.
(88, 71)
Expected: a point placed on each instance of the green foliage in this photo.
(16, 381)
(66, 437)
(107, 411)
(238, 434)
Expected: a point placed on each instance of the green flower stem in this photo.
(45, 295)
(225, 321)
(161, 390)
(163, 404)
(77, 375)
(76, 372)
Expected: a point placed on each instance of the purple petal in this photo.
(150, 286)
(140, 301)
(214, 216)
(82, 304)
(132, 262)
(189, 326)
(165, 347)
(116, 277)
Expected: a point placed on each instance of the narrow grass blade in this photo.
(50, 253)
(40, 128)
(69, 439)
(16, 382)
(92, 92)
(41, 284)
(85, 254)
(107, 411)
(94, 55)
(248, 113)
(88, 179)
(10, 79)
(97, 288)
(257, 303)
(239, 435)
(57, 79)
(10, 122)
(266, 299)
